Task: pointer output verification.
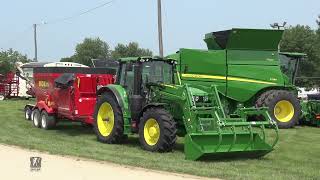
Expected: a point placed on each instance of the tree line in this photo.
(95, 48)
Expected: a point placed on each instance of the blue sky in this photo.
(185, 22)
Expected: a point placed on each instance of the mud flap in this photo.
(224, 145)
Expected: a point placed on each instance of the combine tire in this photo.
(284, 107)
(108, 120)
(47, 122)
(36, 118)
(27, 113)
(157, 130)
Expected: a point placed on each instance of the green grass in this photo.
(297, 155)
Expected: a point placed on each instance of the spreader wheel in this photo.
(108, 120)
(27, 113)
(284, 107)
(47, 122)
(2, 97)
(36, 118)
(157, 130)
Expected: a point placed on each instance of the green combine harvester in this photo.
(248, 70)
(149, 99)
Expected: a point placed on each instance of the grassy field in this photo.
(297, 155)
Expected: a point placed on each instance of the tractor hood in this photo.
(244, 39)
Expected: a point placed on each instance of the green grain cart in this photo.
(247, 69)
(149, 99)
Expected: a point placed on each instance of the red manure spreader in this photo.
(66, 93)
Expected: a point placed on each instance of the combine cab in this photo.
(149, 99)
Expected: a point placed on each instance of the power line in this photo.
(79, 14)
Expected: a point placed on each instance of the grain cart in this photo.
(149, 99)
(245, 66)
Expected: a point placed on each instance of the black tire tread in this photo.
(168, 136)
(267, 98)
(117, 135)
(51, 120)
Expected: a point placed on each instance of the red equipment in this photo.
(66, 93)
(9, 85)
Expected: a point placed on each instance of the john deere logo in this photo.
(43, 84)
(35, 163)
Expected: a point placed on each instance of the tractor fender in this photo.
(120, 95)
(151, 105)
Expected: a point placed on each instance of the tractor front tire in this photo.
(157, 130)
(108, 120)
(36, 118)
(284, 107)
(47, 122)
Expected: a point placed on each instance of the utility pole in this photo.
(160, 29)
(35, 42)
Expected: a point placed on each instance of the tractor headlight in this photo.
(205, 98)
(196, 98)
(200, 98)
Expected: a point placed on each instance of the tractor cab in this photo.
(289, 64)
(136, 74)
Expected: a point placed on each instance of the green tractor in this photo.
(248, 70)
(149, 99)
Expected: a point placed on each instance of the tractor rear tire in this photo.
(284, 107)
(36, 116)
(27, 113)
(47, 122)
(108, 120)
(157, 130)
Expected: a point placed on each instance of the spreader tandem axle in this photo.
(149, 99)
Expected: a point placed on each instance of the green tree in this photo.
(305, 40)
(318, 30)
(8, 59)
(90, 48)
(130, 50)
(67, 59)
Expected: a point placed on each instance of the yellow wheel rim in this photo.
(284, 111)
(105, 119)
(151, 132)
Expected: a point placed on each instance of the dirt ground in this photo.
(15, 164)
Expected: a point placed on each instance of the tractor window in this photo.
(127, 77)
(157, 72)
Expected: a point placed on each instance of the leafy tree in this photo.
(130, 50)
(90, 48)
(8, 59)
(318, 30)
(68, 59)
(303, 39)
